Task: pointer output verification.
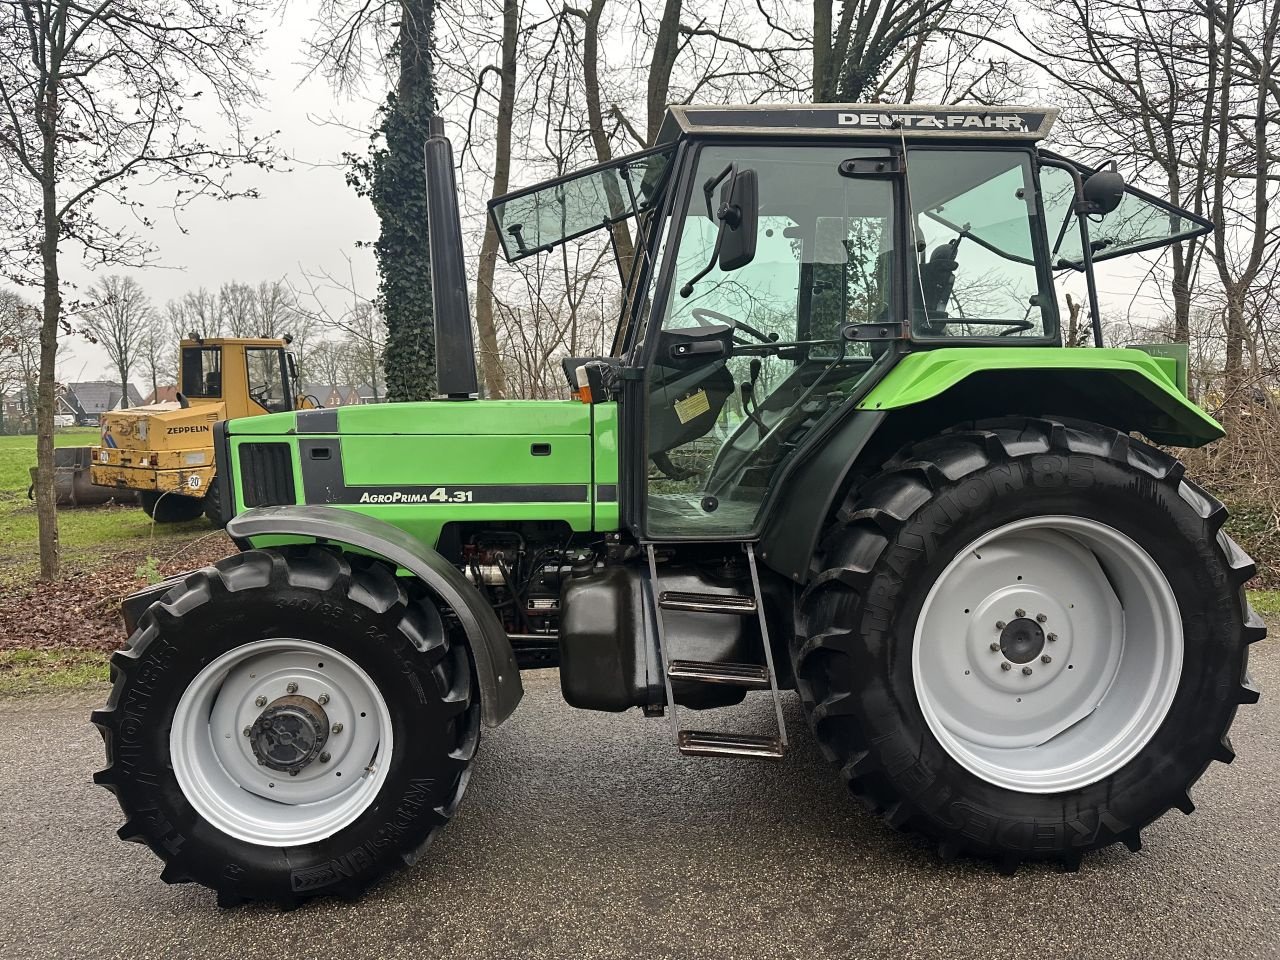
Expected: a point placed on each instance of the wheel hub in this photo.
(1021, 640)
(289, 734)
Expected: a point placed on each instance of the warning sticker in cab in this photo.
(691, 406)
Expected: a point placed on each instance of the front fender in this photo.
(498, 676)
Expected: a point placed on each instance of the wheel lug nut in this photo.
(995, 647)
(248, 732)
(1046, 659)
(1000, 624)
(324, 758)
(1041, 618)
(337, 728)
(260, 702)
(322, 699)
(292, 687)
(1019, 612)
(293, 773)
(1026, 671)
(1006, 665)
(1052, 637)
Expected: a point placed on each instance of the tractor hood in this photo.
(160, 426)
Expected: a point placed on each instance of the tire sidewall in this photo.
(994, 819)
(422, 774)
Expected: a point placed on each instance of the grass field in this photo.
(81, 529)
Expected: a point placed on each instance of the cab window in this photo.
(202, 372)
(268, 385)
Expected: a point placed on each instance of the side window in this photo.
(1141, 222)
(265, 367)
(975, 272)
(202, 372)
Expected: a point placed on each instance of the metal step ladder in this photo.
(752, 676)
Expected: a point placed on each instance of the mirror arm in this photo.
(1091, 284)
(708, 189)
(1081, 208)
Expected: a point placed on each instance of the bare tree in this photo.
(92, 97)
(118, 320)
(490, 367)
(154, 353)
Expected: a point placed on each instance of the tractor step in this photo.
(751, 675)
(698, 743)
(707, 602)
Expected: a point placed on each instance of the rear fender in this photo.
(931, 390)
(498, 676)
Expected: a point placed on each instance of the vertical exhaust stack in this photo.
(455, 350)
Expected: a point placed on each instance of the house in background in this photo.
(89, 400)
(167, 394)
(338, 394)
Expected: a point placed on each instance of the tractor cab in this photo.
(786, 258)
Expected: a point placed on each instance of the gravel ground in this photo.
(586, 835)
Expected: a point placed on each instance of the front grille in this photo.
(266, 475)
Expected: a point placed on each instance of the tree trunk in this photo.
(1235, 330)
(824, 72)
(665, 47)
(595, 122)
(46, 502)
(490, 361)
(398, 191)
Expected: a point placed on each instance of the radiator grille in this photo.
(266, 475)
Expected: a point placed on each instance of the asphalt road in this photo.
(586, 835)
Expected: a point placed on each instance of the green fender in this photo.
(1129, 389)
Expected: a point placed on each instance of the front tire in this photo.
(1028, 639)
(251, 688)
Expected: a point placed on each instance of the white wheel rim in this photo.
(220, 774)
(1112, 667)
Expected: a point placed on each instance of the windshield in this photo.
(975, 270)
(539, 218)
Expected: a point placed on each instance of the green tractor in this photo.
(838, 448)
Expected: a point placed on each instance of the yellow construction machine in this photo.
(164, 451)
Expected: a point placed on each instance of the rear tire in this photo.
(942, 758)
(185, 743)
(170, 507)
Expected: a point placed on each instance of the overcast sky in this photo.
(306, 219)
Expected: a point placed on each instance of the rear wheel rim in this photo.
(217, 724)
(1047, 653)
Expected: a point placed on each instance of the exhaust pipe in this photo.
(450, 306)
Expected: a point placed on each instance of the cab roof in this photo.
(844, 120)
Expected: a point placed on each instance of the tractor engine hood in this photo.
(161, 426)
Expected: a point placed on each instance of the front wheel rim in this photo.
(1047, 653)
(218, 722)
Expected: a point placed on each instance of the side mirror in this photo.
(1102, 192)
(739, 216)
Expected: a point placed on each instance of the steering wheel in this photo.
(704, 318)
(702, 315)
